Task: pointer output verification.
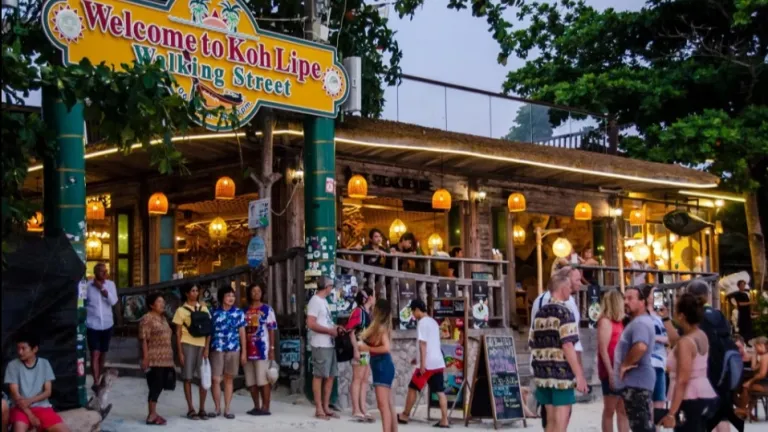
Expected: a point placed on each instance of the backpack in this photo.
(344, 349)
(725, 365)
(200, 324)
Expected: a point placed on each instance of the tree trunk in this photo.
(756, 240)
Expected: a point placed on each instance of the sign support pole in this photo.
(64, 197)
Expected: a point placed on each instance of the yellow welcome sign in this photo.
(213, 49)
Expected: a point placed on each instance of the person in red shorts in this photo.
(29, 379)
(431, 365)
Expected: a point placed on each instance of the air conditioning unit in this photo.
(354, 102)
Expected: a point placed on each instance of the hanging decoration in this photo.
(357, 187)
(516, 202)
(441, 200)
(562, 247)
(95, 211)
(637, 217)
(582, 211)
(641, 252)
(718, 227)
(93, 248)
(158, 204)
(396, 230)
(435, 242)
(35, 223)
(217, 230)
(225, 188)
(518, 235)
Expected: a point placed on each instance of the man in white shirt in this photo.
(431, 365)
(101, 296)
(323, 331)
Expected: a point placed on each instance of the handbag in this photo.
(344, 349)
(169, 382)
(205, 374)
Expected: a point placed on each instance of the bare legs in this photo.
(98, 362)
(357, 390)
(188, 395)
(216, 393)
(322, 388)
(557, 418)
(5, 415)
(614, 405)
(410, 399)
(386, 408)
(228, 392)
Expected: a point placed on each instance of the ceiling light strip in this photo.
(713, 196)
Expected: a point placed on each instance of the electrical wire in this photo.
(341, 23)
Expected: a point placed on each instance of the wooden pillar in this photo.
(511, 280)
(472, 231)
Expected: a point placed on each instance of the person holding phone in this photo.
(660, 343)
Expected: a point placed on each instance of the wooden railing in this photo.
(385, 281)
(284, 277)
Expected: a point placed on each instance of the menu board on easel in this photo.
(496, 389)
(451, 314)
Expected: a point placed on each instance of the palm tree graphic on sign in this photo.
(231, 14)
(199, 9)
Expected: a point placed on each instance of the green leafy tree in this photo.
(531, 124)
(690, 75)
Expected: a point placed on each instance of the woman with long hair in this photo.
(609, 328)
(376, 340)
(758, 382)
(358, 322)
(692, 400)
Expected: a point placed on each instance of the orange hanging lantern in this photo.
(95, 210)
(357, 187)
(637, 217)
(158, 204)
(516, 202)
(225, 188)
(441, 200)
(518, 235)
(582, 211)
(217, 230)
(35, 223)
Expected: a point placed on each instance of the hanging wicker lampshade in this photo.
(357, 187)
(518, 235)
(582, 211)
(516, 202)
(435, 242)
(441, 200)
(158, 204)
(35, 223)
(93, 248)
(94, 210)
(637, 217)
(217, 230)
(396, 230)
(225, 188)
(562, 247)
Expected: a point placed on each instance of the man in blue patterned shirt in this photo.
(226, 353)
(553, 356)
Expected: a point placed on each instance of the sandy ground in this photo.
(291, 413)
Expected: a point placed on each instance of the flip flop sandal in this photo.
(370, 419)
(229, 416)
(202, 415)
(192, 415)
(254, 412)
(401, 421)
(438, 425)
(214, 414)
(321, 416)
(359, 418)
(332, 415)
(158, 421)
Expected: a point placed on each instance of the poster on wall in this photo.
(451, 317)
(446, 288)
(408, 292)
(480, 312)
(344, 294)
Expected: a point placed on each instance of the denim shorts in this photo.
(382, 370)
(660, 388)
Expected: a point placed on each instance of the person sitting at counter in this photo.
(375, 244)
(406, 245)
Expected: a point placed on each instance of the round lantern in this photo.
(35, 223)
(637, 217)
(518, 235)
(158, 204)
(516, 202)
(357, 187)
(641, 252)
(225, 188)
(396, 230)
(93, 248)
(435, 242)
(441, 200)
(217, 230)
(562, 247)
(582, 211)
(94, 210)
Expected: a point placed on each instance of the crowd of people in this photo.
(682, 372)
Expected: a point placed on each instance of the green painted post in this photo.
(319, 211)
(64, 198)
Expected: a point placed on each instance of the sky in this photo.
(434, 47)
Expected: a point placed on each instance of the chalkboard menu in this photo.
(496, 391)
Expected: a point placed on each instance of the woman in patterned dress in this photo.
(156, 354)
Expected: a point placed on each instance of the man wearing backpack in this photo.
(721, 372)
(193, 335)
